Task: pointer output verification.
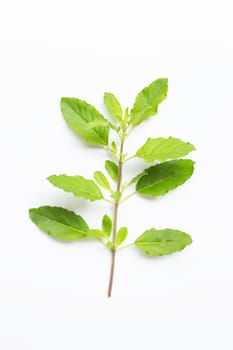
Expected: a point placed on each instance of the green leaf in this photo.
(107, 225)
(96, 123)
(113, 106)
(161, 242)
(101, 180)
(147, 101)
(59, 223)
(78, 185)
(98, 234)
(114, 147)
(121, 235)
(116, 195)
(126, 115)
(85, 120)
(163, 149)
(163, 177)
(114, 127)
(112, 169)
(109, 245)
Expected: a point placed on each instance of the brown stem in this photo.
(111, 274)
(115, 216)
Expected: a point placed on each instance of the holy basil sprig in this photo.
(166, 172)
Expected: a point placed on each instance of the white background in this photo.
(53, 295)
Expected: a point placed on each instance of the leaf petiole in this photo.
(108, 200)
(126, 246)
(112, 152)
(129, 158)
(127, 197)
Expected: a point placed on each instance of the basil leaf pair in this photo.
(90, 124)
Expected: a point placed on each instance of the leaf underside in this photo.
(77, 185)
(101, 180)
(59, 223)
(147, 101)
(162, 149)
(162, 242)
(113, 106)
(163, 177)
(112, 169)
(107, 225)
(83, 118)
(121, 235)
